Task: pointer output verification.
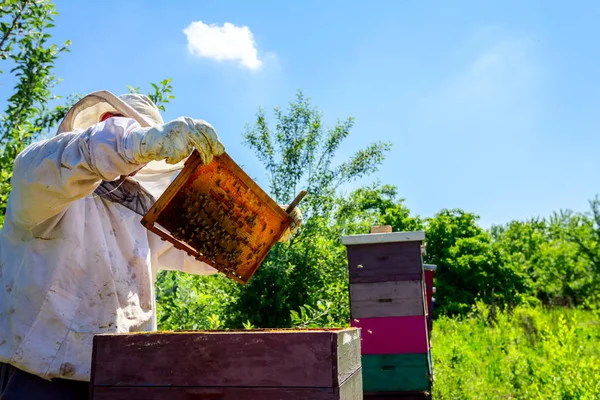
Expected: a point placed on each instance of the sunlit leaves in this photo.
(25, 47)
(160, 94)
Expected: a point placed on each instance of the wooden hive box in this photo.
(383, 257)
(393, 335)
(396, 372)
(216, 213)
(386, 299)
(315, 364)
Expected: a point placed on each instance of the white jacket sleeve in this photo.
(51, 174)
(177, 260)
(171, 258)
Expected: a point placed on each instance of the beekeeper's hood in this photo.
(154, 176)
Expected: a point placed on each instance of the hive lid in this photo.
(373, 238)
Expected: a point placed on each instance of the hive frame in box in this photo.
(181, 180)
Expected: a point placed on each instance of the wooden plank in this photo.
(430, 365)
(428, 275)
(249, 358)
(349, 390)
(386, 299)
(371, 238)
(393, 335)
(381, 229)
(348, 354)
(385, 262)
(396, 372)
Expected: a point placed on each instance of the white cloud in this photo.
(223, 43)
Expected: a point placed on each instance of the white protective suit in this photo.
(74, 258)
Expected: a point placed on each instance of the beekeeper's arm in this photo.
(171, 258)
(50, 174)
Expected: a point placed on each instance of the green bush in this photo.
(531, 353)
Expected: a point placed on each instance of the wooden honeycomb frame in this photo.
(240, 200)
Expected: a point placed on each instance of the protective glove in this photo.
(175, 140)
(296, 215)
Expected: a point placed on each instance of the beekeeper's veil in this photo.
(154, 176)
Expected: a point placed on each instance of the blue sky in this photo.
(491, 107)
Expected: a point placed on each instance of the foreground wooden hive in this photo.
(315, 364)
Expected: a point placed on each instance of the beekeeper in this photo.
(74, 259)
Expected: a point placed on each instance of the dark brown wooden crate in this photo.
(322, 358)
(387, 299)
(380, 262)
(350, 390)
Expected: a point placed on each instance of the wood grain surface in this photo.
(291, 358)
(351, 389)
(387, 299)
(385, 262)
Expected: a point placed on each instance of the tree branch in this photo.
(12, 26)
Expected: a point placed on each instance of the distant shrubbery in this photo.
(531, 353)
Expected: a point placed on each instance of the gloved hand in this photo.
(175, 140)
(296, 215)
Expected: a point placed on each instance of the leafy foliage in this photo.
(24, 45)
(530, 353)
(160, 94)
(308, 272)
(471, 266)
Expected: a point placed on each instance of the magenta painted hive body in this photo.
(393, 335)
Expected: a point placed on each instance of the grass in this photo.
(531, 353)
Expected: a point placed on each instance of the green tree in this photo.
(555, 257)
(160, 94)
(580, 233)
(25, 47)
(375, 204)
(470, 266)
(583, 229)
(299, 152)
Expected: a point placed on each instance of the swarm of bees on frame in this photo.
(212, 228)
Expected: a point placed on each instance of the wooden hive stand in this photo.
(388, 302)
(286, 364)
